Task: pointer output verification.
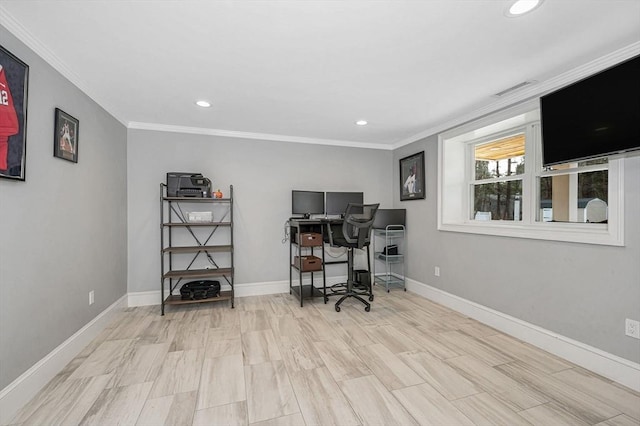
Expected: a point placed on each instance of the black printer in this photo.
(182, 184)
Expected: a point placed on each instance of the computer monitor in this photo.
(386, 217)
(307, 203)
(337, 201)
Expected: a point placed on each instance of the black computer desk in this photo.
(319, 230)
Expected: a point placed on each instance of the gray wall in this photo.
(63, 231)
(580, 291)
(262, 173)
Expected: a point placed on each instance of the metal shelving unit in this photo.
(205, 259)
(392, 273)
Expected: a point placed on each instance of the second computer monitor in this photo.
(336, 202)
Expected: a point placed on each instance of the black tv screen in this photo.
(307, 202)
(594, 117)
(337, 201)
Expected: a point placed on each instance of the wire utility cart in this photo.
(389, 251)
(195, 244)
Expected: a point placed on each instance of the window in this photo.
(498, 173)
(491, 181)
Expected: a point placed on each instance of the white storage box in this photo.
(195, 217)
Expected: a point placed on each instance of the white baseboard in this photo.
(25, 387)
(145, 298)
(608, 365)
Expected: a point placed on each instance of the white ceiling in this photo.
(307, 70)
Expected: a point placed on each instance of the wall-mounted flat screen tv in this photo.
(594, 117)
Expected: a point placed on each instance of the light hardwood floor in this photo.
(269, 362)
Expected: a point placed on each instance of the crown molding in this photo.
(21, 33)
(249, 135)
(529, 93)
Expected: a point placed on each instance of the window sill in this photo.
(600, 234)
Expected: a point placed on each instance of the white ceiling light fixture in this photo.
(203, 104)
(521, 7)
(362, 122)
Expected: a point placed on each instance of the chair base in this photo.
(350, 291)
(367, 306)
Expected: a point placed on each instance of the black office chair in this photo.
(354, 233)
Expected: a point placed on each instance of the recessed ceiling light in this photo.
(520, 7)
(361, 122)
(203, 104)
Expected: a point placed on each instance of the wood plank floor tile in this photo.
(159, 331)
(118, 406)
(541, 360)
(140, 365)
(231, 332)
(388, 367)
(392, 338)
(551, 414)
(623, 400)
(230, 414)
(56, 386)
(484, 409)
(260, 346)
(320, 399)
(342, 361)
(621, 420)
(192, 334)
(428, 407)
(299, 353)
(374, 404)
(220, 316)
(180, 372)
(472, 346)
(168, 410)
(482, 374)
(218, 348)
(269, 392)
(430, 342)
(290, 420)
(350, 331)
(104, 359)
(582, 405)
(254, 321)
(441, 376)
(69, 403)
(222, 381)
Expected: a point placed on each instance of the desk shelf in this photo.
(313, 231)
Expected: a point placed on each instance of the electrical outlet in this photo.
(91, 297)
(436, 271)
(632, 328)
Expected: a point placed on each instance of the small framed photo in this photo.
(14, 81)
(65, 137)
(412, 179)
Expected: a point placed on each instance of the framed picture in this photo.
(14, 81)
(412, 180)
(65, 137)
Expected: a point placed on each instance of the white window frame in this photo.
(454, 178)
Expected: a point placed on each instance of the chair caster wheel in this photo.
(388, 291)
(326, 299)
(405, 289)
(367, 308)
(371, 298)
(337, 308)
